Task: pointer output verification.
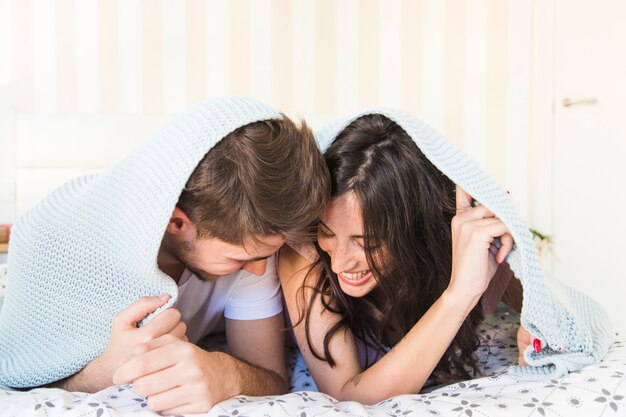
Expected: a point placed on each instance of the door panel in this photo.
(589, 198)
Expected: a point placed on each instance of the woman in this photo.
(403, 257)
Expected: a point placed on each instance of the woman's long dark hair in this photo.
(407, 206)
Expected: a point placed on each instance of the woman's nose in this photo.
(341, 259)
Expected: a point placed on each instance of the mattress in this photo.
(598, 390)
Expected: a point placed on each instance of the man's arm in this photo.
(95, 376)
(125, 337)
(179, 377)
(260, 345)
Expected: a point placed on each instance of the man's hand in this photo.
(178, 377)
(124, 340)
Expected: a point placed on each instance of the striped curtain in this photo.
(464, 66)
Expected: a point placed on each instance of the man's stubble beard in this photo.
(181, 251)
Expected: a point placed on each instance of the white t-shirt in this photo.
(238, 296)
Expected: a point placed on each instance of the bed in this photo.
(597, 390)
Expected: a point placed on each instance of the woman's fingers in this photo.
(468, 214)
(507, 244)
(473, 213)
(463, 200)
(488, 229)
(525, 339)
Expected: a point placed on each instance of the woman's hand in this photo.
(474, 257)
(524, 339)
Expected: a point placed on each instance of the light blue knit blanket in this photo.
(574, 329)
(90, 248)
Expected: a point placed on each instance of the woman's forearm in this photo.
(409, 364)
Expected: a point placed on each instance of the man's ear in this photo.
(179, 223)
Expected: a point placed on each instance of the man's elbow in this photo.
(283, 386)
(281, 383)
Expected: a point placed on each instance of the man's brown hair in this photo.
(265, 178)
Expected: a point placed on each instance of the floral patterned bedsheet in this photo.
(597, 390)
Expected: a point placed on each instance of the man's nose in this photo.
(256, 267)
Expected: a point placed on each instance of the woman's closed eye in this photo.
(360, 242)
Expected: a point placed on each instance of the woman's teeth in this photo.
(354, 275)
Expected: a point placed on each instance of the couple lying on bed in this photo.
(381, 300)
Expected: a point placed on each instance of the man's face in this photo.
(210, 258)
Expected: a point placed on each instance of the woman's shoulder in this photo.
(306, 250)
(293, 265)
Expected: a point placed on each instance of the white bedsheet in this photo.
(598, 390)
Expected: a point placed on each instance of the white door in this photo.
(589, 198)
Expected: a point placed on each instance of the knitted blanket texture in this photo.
(573, 328)
(90, 248)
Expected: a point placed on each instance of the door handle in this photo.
(568, 102)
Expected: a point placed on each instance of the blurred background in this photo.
(534, 90)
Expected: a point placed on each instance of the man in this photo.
(242, 202)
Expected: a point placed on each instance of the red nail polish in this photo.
(537, 345)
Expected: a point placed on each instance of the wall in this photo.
(466, 67)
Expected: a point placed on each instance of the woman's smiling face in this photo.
(341, 235)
